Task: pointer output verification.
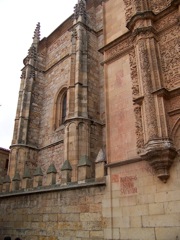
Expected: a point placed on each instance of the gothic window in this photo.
(64, 106)
(60, 108)
(6, 165)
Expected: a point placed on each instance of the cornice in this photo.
(124, 162)
(151, 15)
(4, 150)
(115, 42)
(168, 94)
(55, 188)
(35, 148)
(140, 16)
(77, 119)
(120, 46)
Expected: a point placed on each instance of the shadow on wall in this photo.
(9, 238)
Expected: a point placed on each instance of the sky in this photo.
(18, 19)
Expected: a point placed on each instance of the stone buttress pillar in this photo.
(20, 146)
(77, 110)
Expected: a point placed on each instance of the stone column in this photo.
(77, 89)
(24, 109)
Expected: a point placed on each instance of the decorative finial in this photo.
(80, 9)
(36, 37)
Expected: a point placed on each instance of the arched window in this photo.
(60, 108)
(64, 106)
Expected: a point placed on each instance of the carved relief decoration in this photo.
(159, 5)
(166, 21)
(139, 129)
(134, 74)
(23, 75)
(120, 48)
(129, 9)
(80, 9)
(32, 53)
(136, 94)
(150, 113)
(170, 47)
(74, 34)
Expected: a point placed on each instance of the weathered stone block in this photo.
(167, 233)
(16, 182)
(26, 183)
(6, 183)
(66, 172)
(84, 170)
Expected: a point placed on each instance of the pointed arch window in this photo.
(60, 108)
(64, 107)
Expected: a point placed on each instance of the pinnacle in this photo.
(80, 9)
(36, 36)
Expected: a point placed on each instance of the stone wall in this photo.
(4, 160)
(66, 214)
(138, 206)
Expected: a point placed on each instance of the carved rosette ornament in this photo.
(160, 154)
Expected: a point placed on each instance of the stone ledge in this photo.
(55, 188)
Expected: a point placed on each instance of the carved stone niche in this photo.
(160, 154)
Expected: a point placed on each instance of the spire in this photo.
(36, 36)
(32, 52)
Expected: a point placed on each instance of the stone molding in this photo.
(55, 188)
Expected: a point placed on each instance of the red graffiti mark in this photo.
(127, 184)
(115, 178)
(119, 78)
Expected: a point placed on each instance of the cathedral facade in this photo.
(96, 145)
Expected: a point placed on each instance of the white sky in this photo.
(18, 19)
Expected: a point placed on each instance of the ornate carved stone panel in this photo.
(130, 11)
(139, 128)
(169, 47)
(119, 48)
(159, 5)
(136, 95)
(134, 74)
(145, 75)
(166, 21)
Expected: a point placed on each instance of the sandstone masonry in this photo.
(96, 145)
